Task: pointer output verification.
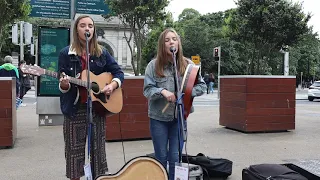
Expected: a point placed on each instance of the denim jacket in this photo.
(70, 63)
(153, 85)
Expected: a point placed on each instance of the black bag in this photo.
(212, 167)
(302, 171)
(270, 172)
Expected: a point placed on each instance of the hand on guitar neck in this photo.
(64, 82)
(107, 90)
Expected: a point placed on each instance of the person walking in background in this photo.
(211, 82)
(25, 85)
(206, 80)
(9, 70)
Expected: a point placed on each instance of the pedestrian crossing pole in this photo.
(217, 54)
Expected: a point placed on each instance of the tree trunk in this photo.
(252, 63)
(1, 39)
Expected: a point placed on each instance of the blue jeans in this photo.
(162, 133)
(211, 87)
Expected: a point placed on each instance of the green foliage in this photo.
(137, 16)
(250, 36)
(11, 10)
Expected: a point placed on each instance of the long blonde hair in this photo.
(94, 48)
(162, 56)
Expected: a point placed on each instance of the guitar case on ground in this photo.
(270, 172)
(212, 167)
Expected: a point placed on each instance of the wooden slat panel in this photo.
(5, 85)
(6, 141)
(134, 108)
(135, 100)
(271, 88)
(269, 127)
(230, 119)
(271, 81)
(138, 91)
(6, 103)
(233, 88)
(270, 111)
(5, 132)
(230, 103)
(270, 96)
(5, 123)
(134, 117)
(233, 96)
(270, 104)
(5, 113)
(5, 94)
(129, 83)
(233, 81)
(269, 119)
(232, 110)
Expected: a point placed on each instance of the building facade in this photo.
(111, 35)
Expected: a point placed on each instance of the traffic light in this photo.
(216, 52)
(14, 34)
(27, 33)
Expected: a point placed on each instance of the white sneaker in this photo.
(23, 105)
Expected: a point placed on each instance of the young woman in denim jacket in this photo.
(159, 88)
(72, 60)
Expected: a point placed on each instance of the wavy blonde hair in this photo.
(94, 48)
(162, 55)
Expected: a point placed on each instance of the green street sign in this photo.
(51, 9)
(91, 7)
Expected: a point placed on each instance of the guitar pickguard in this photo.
(96, 92)
(103, 98)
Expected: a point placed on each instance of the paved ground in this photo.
(39, 152)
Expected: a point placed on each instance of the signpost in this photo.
(196, 60)
(217, 54)
(62, 9)
(91, 7)
(51, 9)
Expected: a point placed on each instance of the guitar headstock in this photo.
(34, 70)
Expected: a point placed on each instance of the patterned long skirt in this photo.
(75, 132)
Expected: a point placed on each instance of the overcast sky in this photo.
(208, 6)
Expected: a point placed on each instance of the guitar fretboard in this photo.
(71, 79)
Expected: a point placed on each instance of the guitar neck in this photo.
(73, 80)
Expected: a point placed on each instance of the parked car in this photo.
(314, 91)
(128, 74)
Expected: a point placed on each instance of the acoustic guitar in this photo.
(139, 168)
(103, 105)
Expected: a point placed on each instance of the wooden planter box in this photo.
(133, 121)
(258, 103)
(8, 115)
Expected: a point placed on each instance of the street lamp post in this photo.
(284, 50)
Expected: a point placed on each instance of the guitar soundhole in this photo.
(96, 92)
(95, 87)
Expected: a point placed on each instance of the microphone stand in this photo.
(180, 117)
(89, 109)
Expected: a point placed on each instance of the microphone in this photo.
(87, 34)
(173, 49)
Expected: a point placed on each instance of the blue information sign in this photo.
(51, 8)
(91, 7)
